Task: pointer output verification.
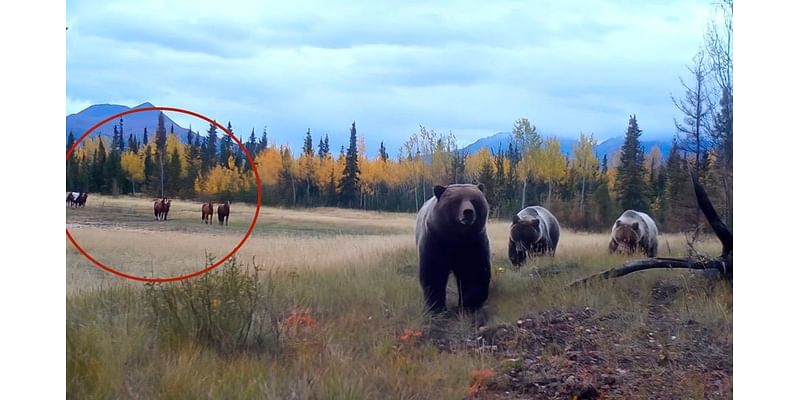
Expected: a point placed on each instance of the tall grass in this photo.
(330, 317)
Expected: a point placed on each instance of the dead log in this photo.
(723, 263)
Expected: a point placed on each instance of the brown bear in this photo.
(534, 231)
(634, 232)
(451, 237)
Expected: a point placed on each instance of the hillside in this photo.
(608, 147)
(132, 123)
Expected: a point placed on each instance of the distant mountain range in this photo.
(136, 123)
(132, 123)
(500, 140)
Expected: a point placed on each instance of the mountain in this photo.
(608, 147)
(132, 123)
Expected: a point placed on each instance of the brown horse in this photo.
(223, 211)
(161, 209)
(208, 213)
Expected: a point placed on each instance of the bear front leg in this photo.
(473, 272)
(433, 274)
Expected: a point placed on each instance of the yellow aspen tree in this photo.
(553, 165)
(584, 161)
(133, 167)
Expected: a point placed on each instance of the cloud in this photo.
(470, 67)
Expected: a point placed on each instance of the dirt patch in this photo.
(578, 354)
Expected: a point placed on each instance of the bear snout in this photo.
(468, 216)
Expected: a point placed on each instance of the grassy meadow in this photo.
(325, 304)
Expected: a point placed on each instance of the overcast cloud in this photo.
(467, 67)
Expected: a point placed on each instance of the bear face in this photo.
(526, 233)
(460, 209)
(627, 236)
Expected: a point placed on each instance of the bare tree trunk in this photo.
(583, 188)
(524, 191)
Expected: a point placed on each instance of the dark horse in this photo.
(208, 213)
(223, 211)
(77, 199)
(161, 209)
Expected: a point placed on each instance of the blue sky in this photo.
(468, 67)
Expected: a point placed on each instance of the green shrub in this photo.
(228, 309)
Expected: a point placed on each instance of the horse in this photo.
(157, 208)
(223, 211)
(81, 200)
(76, 199)
(165, 207)
(161, 209)
(208, 213)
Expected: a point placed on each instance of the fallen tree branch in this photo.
(697, 263)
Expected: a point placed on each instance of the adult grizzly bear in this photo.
(451, 237)
(634, 232)
(534, 231)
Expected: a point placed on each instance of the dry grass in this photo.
(354, 274)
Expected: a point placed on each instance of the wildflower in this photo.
(479, 377)
(409, 334)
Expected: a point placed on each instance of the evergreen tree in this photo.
(350, 182)
(382, 152)
(173, 173)
(113, 175)
(630, 173)
(161, 144)
(679, 202)
(150, 172)
(262, 144)
(324, 148)
(308, 144)
(210, 153)
(97, 178)
(604, 167)
(145, 139)
(252, 144)
(226, 146)
(116, 138)
(121, 136)
(189, 136)
(72, 166)
(132, 146)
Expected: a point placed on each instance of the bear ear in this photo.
(617, 223)
(438, 190)
(635, 226)
(535, 223)
(516, 219)
(480, 187)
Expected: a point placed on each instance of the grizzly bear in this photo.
(451, 237)
(534, 231)
(634, 232)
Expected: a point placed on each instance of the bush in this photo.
(226, 309)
